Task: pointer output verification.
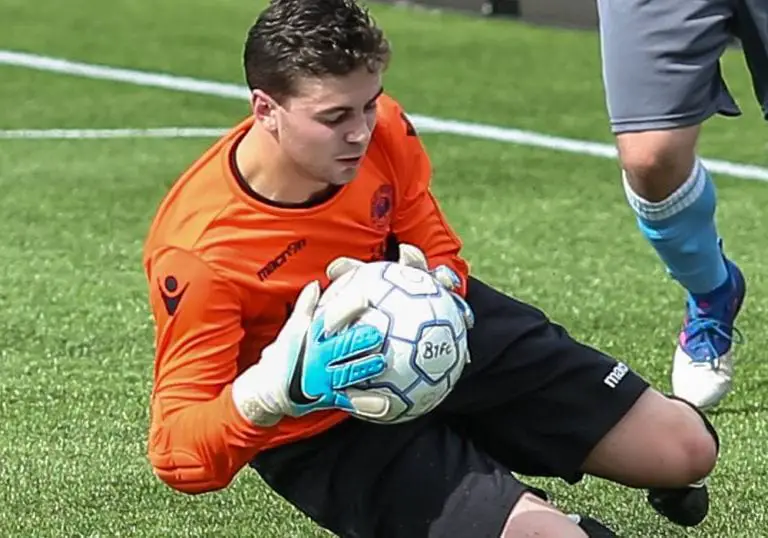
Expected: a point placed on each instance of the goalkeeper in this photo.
(325, 167)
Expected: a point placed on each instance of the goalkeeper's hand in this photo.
(412, 256)
(310, 362)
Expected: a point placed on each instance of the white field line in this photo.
(93, 134)
(79, 134)
(424, 123)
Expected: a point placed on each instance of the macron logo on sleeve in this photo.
(171, 294)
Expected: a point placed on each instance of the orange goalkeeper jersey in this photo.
(223, 267)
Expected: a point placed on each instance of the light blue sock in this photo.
(682, 230)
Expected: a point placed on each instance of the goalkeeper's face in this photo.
(325, 127)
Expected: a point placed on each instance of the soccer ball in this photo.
(425, 342)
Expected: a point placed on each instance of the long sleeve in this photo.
(198, 440)
(418, 218)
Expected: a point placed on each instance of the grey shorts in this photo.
(661, 59)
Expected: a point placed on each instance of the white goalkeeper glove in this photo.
(310, 362)
(412, 256)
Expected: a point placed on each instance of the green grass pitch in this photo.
(551, 228)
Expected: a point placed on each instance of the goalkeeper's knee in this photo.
(686, 505)
(707, 424)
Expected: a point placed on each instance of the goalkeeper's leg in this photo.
(544, 404)
(420, 478)
(672, 457)
(533, 516)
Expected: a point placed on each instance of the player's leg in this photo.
(544, 404)
(415, 479)
(662, 80)
(695, 451)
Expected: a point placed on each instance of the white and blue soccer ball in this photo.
(425, 338)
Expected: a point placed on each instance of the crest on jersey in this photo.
(381, 206)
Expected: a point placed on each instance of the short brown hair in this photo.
(292, 39)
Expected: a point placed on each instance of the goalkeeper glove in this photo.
(311, 361)
(412, 256)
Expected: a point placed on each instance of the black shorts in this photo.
(532, 401)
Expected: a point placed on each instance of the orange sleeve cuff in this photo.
(240, 429)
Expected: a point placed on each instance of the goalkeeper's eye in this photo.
(341, 117)
(334, 120)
